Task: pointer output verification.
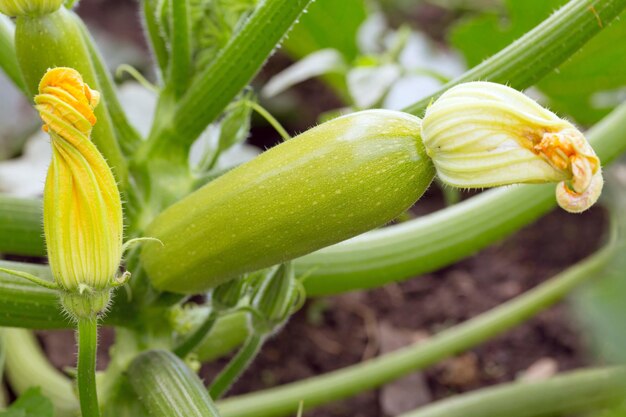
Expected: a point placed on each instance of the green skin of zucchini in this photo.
(55, 40)
(332, 182)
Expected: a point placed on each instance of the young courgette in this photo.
(337, 180)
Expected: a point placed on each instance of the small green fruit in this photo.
(335, 181)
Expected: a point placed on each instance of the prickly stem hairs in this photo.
(82, 205)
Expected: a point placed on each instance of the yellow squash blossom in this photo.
(82, 207)
(482, 134)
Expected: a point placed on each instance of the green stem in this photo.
(227, 75)
(180, 64)
(125, 68)
(8, 59)
(526, 61)
(237, 366)
(428, 243)
(157, 43)
(367, 375)
(269, 118)
(570, 393)
(87, 340)
(195, 339)
(51, 285)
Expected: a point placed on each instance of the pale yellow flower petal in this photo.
(482, 134)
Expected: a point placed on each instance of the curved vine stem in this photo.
(195, 339)
(237, 366)
(269, 118)
(570, 393)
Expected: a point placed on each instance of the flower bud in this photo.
(82, 205)
(482, 134)
(15, 8)
(227, 295)
(275, 298)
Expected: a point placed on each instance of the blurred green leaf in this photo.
(586, 87)
(327, 24)
(30, 404)
(213, 24)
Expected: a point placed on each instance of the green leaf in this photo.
(586, 87)
(328, 24)
(30, 404)
(213, 24)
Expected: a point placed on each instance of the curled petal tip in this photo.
(576, 202)
(481, 134)
(64, 96)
